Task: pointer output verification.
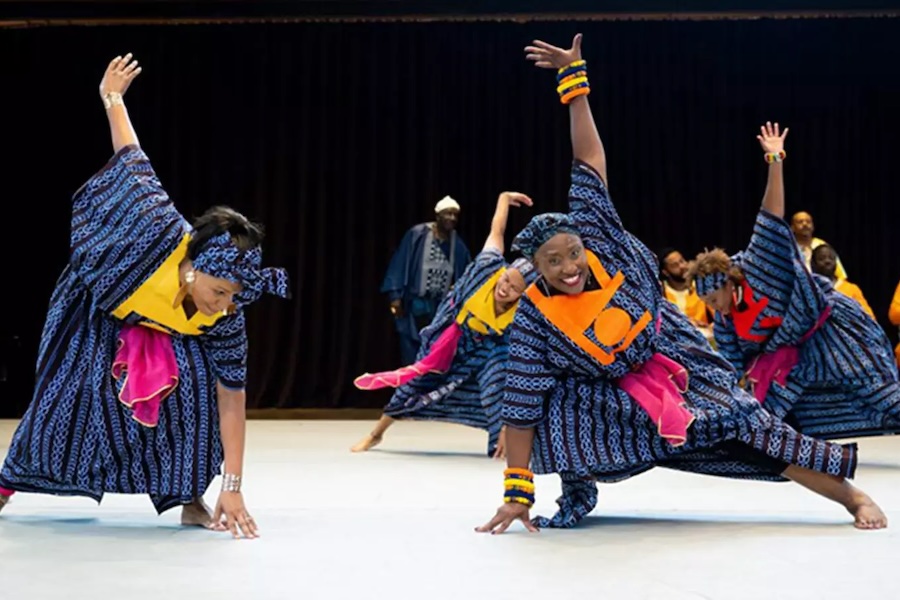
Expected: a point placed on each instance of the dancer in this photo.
(810, 355)
(461, 368)
(607, 380)
(143, 358)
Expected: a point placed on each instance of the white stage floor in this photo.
(397, 523)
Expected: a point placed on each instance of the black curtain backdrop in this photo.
(338, 137)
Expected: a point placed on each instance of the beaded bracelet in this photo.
(772, 157)
(519, 486)
(572, 81)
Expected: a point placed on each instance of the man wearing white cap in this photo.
(430, 258)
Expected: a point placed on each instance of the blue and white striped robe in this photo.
(76, 437)
(587, 428)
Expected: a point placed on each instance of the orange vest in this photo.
(573, 314)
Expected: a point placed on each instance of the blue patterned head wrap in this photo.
(540, 229)
(707, 284)
(221, 258)
(524, 266)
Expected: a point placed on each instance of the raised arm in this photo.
(772, 256)
(772, 142)
(586, 144)
(119, 75)
(495, 239)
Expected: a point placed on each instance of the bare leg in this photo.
(198, 514)
(374, 438)
(866, 513)
(4, 500)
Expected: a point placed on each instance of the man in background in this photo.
(426, 264)
(803, 227)
(680, 290)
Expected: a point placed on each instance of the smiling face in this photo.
(562, 262)
(212, 295)
(510, 287)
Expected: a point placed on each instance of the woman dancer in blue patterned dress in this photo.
(607, 379)
(143, 358)
(810, 354)
(460, 371)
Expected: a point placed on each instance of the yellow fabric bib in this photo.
(477, 312)
(153, 300)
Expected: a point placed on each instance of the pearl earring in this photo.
(189, 277)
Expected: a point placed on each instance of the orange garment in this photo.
(852, 290)
(894, 316)
(573, 314)
(689, 303)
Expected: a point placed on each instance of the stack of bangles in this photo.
(775, 157)
(519, 486)
(573, 81)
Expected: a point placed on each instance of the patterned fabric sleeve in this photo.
(528, 378)
(727, 342)
(123, 226)
(772, 262)
(226, 346)
(601, 228)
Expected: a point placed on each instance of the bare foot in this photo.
(367, 443)
(198, 514)
(4, 500)
(866, 513)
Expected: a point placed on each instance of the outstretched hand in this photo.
(119, 75)
(771, 139)
(547, 56)
(516, 199)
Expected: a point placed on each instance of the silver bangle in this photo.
(231, 483)
(111, 98)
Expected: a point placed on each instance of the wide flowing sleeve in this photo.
(529, 377)
(727, 342)
(123, 227)
(226, 347)
(775, 269)
(601, 229)
(395, 278)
